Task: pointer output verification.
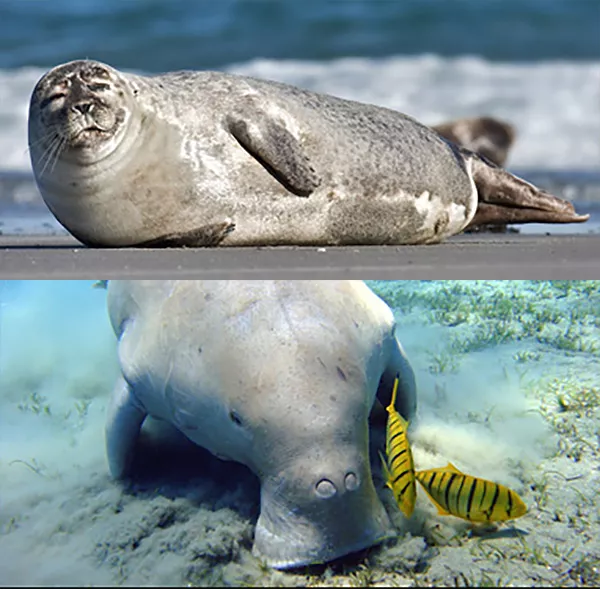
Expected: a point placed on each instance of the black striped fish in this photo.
(471, 498)
(399, 468)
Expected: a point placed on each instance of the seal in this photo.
(210, 158)
(486, 136)
(278, 375)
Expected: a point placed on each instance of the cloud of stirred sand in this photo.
(57, 366)
(480, 420)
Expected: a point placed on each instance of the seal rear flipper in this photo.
(505, 198)
(277, 150)
(124, 421)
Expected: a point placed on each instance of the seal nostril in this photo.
(351, 482)
(83, 107)
(325, 489)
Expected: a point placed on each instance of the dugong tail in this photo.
(506, 199)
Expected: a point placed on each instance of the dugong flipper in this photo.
(278, 375)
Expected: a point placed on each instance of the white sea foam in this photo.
(555, 106)
(15, 90)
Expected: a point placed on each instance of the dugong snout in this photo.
(311, 515)
(278, 375)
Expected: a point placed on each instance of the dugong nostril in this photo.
(325, 489)
(351, 482)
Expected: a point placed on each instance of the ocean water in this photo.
(508, 389)
(533, 63)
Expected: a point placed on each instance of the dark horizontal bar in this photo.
(483, 256)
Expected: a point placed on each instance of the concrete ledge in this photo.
(488, 257)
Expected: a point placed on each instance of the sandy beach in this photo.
(509, 390)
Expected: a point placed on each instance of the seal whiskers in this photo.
(51, 153)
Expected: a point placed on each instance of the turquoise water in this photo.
(509, 389)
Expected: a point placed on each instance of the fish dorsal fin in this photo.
(452, 468)
(402, 421)
(440, 469)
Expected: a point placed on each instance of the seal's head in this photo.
(81, 108)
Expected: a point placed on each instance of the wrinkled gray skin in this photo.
(278, 375)
(209, 158)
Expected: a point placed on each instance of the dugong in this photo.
(278, 375)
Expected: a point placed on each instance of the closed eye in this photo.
(98, 87)
(51, 98)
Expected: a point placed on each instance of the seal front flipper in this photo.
(276, 149)
(123, 424)
(206, 236)
(504, 198)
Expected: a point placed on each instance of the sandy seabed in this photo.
(509, 389)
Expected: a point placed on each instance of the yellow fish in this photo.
(470, 498)
(399, 468)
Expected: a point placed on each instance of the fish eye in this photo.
(235, 418)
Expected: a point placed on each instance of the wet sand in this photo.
(485, 256)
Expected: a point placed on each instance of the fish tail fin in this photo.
(392, 406)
